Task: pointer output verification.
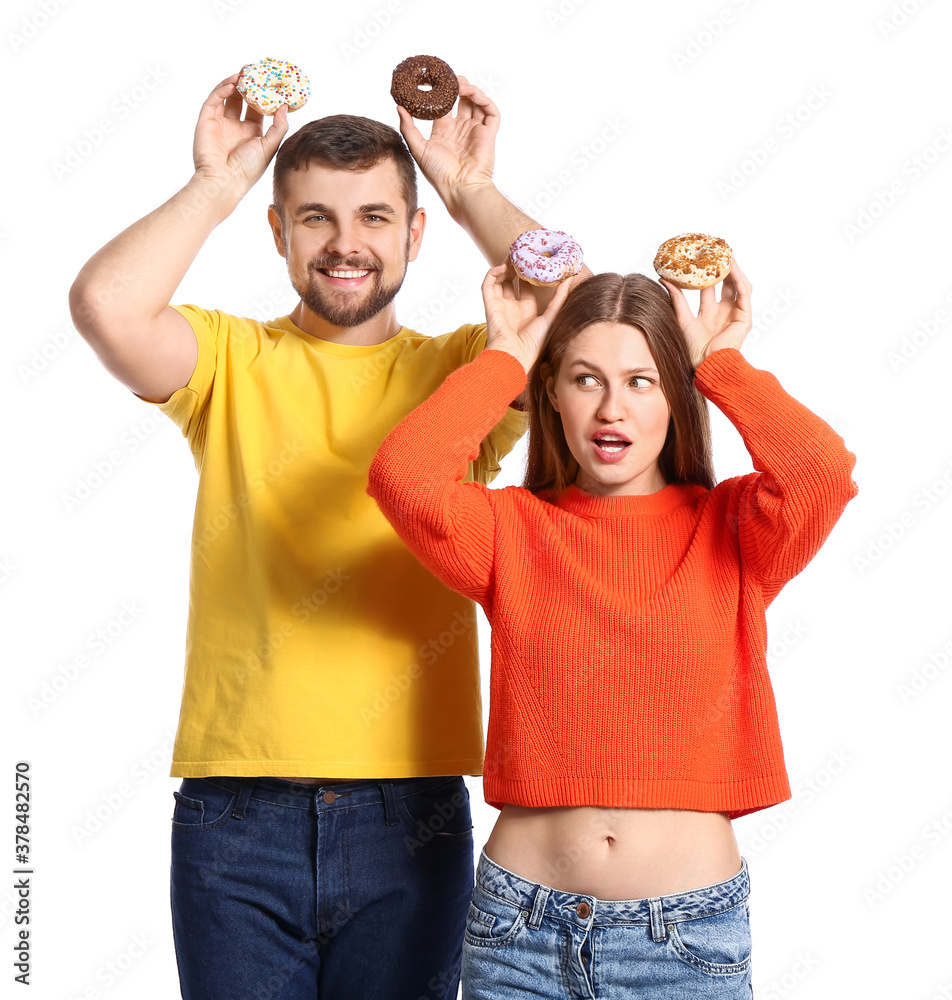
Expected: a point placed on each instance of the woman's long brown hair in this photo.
(637, 301)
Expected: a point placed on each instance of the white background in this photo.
(815, 137)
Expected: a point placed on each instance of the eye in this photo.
(641, 382)
(374, 218)
(585, 381)
(314, 218)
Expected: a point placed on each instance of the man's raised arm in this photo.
(120, 299)
(457, 160)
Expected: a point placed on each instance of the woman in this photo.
(631, 715)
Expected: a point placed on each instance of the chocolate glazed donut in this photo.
(425, 71)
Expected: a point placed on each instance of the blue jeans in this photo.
(528, 940)
(283, 891)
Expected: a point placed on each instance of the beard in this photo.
(336, 309)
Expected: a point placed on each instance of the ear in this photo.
(416, 233)
(549, 380)
(274, 220)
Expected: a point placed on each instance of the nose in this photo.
(610, 405)
(345, 240)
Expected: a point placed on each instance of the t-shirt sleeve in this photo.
(784, 512)
(503, 437)
(189, 405)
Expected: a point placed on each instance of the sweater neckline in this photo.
(666, 500)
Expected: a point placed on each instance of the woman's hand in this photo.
(718, 324)
(514, 325)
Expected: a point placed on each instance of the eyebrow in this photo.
(582, 363)
(378, 208)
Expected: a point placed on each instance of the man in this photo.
(322, 839)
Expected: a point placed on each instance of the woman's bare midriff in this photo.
(615, 853)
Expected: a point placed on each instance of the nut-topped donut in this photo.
(425, 86)
(545, 256)
(693, 260)
(269, 83)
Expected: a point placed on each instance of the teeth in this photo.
(347, 274)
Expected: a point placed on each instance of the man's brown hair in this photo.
(345, 142)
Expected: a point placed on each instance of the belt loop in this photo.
(658, 931)
(389, 805)
(244, 794)
(538, 906)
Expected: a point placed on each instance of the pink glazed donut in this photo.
(545, 256)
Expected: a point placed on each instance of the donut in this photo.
(427, 72)
(693, 260)
(545, 256)
(268, 84)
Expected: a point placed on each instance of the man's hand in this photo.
(719, 323)
(461, 149)
(458, 160)
(229, 150)
(120, 299)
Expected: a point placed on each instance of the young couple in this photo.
(631, 714)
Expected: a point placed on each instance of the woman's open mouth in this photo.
(609, 446)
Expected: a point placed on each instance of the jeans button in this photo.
(329, 797)
(583, 910)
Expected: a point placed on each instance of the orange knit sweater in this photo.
(628, 633)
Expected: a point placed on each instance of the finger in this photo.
(497, 273)
(413, 136)
(740, 280)
(226, 86)
(233, 105)
(465, 88)
(216, 99)
(742, 302)
(682, 311)
(277, 131)
(465, 107)
(708, 299)
(483, 108)
(494, 277)
(558, 299)
(255, 117)
(498, 295)
(477, 97)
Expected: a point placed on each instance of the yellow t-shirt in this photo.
(317, 644)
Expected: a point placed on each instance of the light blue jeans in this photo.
(528, 940)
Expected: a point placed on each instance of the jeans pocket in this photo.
(201, 805)
(718, 944)
(491, 921)
(438, 812)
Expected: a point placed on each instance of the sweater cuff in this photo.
(721, 366)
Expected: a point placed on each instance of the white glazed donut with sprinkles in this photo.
(545, 256)
(268, 84)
